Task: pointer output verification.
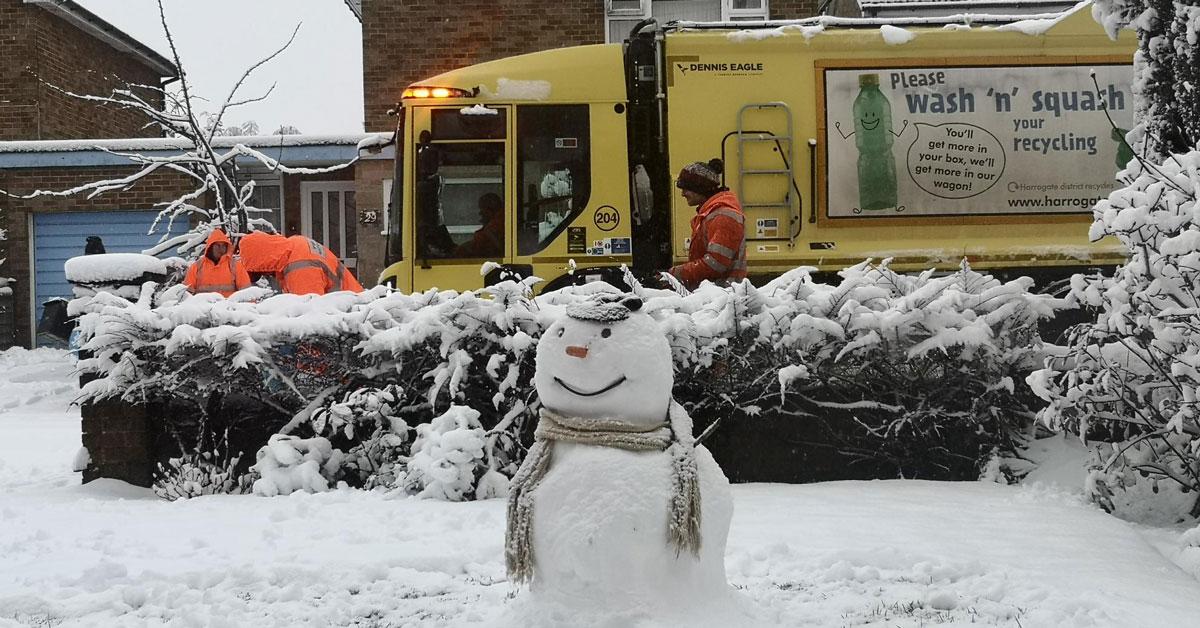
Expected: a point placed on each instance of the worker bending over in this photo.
(300, 264)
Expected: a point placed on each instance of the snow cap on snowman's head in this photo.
(604, 308)
(605, 359)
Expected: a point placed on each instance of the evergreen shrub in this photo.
(883, 375)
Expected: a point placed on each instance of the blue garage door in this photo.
(61, 236)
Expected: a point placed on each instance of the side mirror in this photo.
(643, 196)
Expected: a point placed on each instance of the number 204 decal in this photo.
(606, 218)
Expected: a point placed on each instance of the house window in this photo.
(746, 10)
(267, 203)
(622, 15)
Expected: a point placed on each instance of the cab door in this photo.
(461, 194)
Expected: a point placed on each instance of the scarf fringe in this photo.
(673, 436)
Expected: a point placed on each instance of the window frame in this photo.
(728, 14)
(419, 227)
(265, 181)
(519, 163)
(642, 10)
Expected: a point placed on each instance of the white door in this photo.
(328, 214)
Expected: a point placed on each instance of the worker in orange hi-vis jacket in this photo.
(717, 251)
(217, 270)
(300, 264)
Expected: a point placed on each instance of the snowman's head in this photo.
(605, 359)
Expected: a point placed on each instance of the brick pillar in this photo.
(118, 437)
(7, 323)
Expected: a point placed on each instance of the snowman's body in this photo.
(601, 514)
(600, 528)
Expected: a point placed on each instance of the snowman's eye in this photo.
(606, 333)
(561, 330)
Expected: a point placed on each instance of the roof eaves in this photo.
(901, 4)
(94, 25)
(355, 8)
(292, 150)
(871, 21)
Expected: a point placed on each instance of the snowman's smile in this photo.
(575, 391)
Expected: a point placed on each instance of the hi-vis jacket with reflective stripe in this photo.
(301, 265)
(225, 277)
(718, 248)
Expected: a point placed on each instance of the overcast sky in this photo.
(318, 80)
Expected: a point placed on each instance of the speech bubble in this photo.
(955, 160)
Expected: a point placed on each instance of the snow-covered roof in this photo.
(172, 143)
(95, 26)
(1053, 11)
(289, 149)
(889, 8)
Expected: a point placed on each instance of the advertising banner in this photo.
(967, 141)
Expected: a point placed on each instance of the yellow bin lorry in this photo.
(923, 140)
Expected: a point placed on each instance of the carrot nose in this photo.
(577, 352)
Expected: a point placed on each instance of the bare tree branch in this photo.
(216, 198)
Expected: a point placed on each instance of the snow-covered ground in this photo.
(894, 553)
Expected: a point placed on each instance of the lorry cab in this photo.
(499, 163)
(843, 139)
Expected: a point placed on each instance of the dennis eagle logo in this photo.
(684, 65)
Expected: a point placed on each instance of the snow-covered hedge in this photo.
(912, 375)
(1132, 378)
(883, 375)
(287, 464)
(448, 460)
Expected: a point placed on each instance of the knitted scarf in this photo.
(673, 436)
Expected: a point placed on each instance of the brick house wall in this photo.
(36, 43)
(404, 42)
(18, 89)
(369, 177)
(793, 9)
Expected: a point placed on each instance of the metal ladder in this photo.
(785, 169)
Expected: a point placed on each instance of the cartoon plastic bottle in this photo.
(873, 137)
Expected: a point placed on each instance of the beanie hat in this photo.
(701, 178)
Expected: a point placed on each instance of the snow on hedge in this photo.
(288, 464)
(112, 267)
(919, 369)
(446, 454)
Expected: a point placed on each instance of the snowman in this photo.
(615, 506)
